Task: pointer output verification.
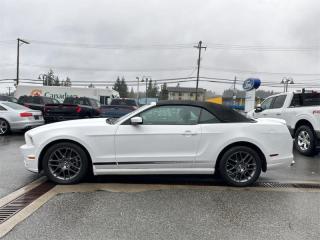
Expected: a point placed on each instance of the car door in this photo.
(276, 108)
(266, 108)
(167, 138)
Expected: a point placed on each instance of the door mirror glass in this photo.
(258, 108)
(136, 120)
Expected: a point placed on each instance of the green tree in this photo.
(164, 92)
(67, 82)
(132, 93)
(56, 81)
(124, 88)
(121, 87)
(152, 89)
(50, 79)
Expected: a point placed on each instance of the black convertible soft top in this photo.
(223, 113)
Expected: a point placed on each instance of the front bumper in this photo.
(29, 157)
(274, 162)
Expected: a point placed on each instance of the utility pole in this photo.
(234, 91)
(138, 90)
(9, 88)
(146, 91)
(199, 59)
(18, 56)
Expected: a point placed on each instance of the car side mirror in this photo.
(136, 120)
(258, 108)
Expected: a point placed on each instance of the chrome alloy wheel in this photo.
(65, 163)
(4, 127)
(304, 140)
(241, 166)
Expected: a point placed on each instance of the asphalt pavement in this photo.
(168, 214)
(13, 174)
(175, 214)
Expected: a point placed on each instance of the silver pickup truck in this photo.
(301, 111)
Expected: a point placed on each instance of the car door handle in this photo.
(189, 133)
(264, 114)
(278, 114)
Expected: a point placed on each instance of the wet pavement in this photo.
(175, 214)
(168, 214)
(13, 174)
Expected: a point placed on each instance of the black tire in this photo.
(232, 166)
(72, 159)
(306, 146)
(4, 127)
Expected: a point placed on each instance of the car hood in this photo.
(81, 123)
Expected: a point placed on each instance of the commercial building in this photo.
(185, 93)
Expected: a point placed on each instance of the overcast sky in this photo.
(91, 40)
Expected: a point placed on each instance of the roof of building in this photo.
(223, 113)
(185, 89)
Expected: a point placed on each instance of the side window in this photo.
(37, 100)
(171, 115)
(279, 101)
(266, 104)
(207, 117)
(296, 100)
(2, 109)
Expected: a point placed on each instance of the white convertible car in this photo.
(170, 137)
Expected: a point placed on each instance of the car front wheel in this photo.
(65, 163)
(240, 166)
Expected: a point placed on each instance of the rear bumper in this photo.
(29, 158)
(58, 118)
(26, 125)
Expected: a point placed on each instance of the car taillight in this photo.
(25, 114)
(78, 109)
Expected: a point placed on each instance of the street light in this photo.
(286, 81)
(144, 78)
(44, 78)
(19, 42)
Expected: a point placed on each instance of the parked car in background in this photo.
(16, 117)
(72, 108)
(119, 107)
(36, 102)
(125, 102)
(115, 111)
(8, 98)
(169, 137)
(301, 111)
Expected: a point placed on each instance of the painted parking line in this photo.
(8, 225)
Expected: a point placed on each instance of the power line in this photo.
(108, 69)
(114, 46)
(256, 72)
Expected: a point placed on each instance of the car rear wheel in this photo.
(65, 163)
(304, 140)
(240, 166)
(4, 127)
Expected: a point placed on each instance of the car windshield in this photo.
(131, 114)
(15, 106)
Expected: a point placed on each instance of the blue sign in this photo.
(251, 83)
